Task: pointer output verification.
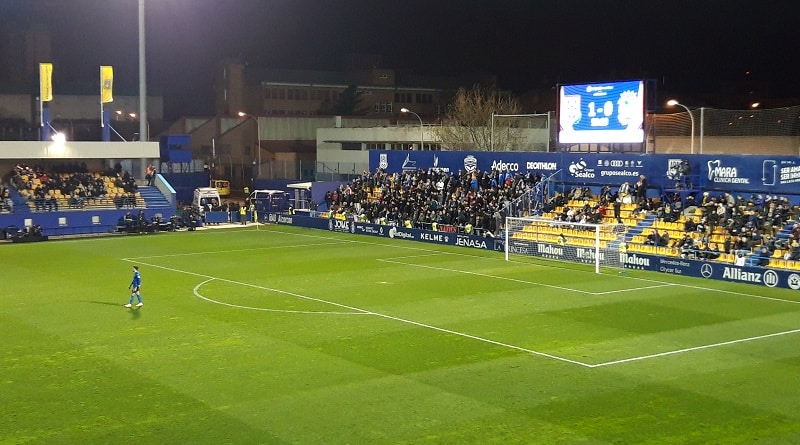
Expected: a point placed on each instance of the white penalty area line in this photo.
(695, 348)
(514, 280)
(657, 283)
(356, 311)
(614, 362)
(197, 294)
(249, 249)
(478, 274)
(431, 252)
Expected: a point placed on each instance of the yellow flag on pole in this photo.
(46, 82)
(106, 84)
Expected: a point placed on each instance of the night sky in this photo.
(688, 47)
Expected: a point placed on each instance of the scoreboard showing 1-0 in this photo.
(611, 112)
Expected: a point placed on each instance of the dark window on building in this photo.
(351, 146)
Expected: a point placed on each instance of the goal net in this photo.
(602, 245)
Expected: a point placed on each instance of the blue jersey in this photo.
(137, 279)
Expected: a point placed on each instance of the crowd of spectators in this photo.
(6, 203)
(72, 184)
(748, 223)
(472, 202)
(743, 226)
(476, 201)
(712, 224)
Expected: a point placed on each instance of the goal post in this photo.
(602, 245)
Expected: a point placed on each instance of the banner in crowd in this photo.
(669, 265)
(724, 173)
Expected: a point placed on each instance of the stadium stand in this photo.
(756, 230)
(464, 202)
(73, 188)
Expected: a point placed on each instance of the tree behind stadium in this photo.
(468, 123)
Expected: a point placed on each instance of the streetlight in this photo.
(258, 138)
(672, 103)
(421, 128)
(146, 124)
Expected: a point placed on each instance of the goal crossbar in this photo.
(597, 244)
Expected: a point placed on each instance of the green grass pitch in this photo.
(279, 335)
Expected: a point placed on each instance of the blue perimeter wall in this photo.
(78, 222)
(668, 265)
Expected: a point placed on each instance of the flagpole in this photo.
(41, 101)
(142, 73)
(143, 130)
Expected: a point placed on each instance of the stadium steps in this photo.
(153, 198)
(644, 223)
(20, 203)
(784, 232)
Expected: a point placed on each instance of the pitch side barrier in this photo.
(386, 231)
(77, 222)
(669, 265)
(711, 270)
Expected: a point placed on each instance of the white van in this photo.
(205, 198)
(268, 200)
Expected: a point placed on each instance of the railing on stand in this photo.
(532, 201)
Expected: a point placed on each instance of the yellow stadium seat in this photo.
(779, 263)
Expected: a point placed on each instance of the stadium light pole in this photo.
(258, 138)
(146, 138)
(421, 128)
(142, 82)
(672, 103)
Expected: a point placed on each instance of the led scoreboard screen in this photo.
(610, 112)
